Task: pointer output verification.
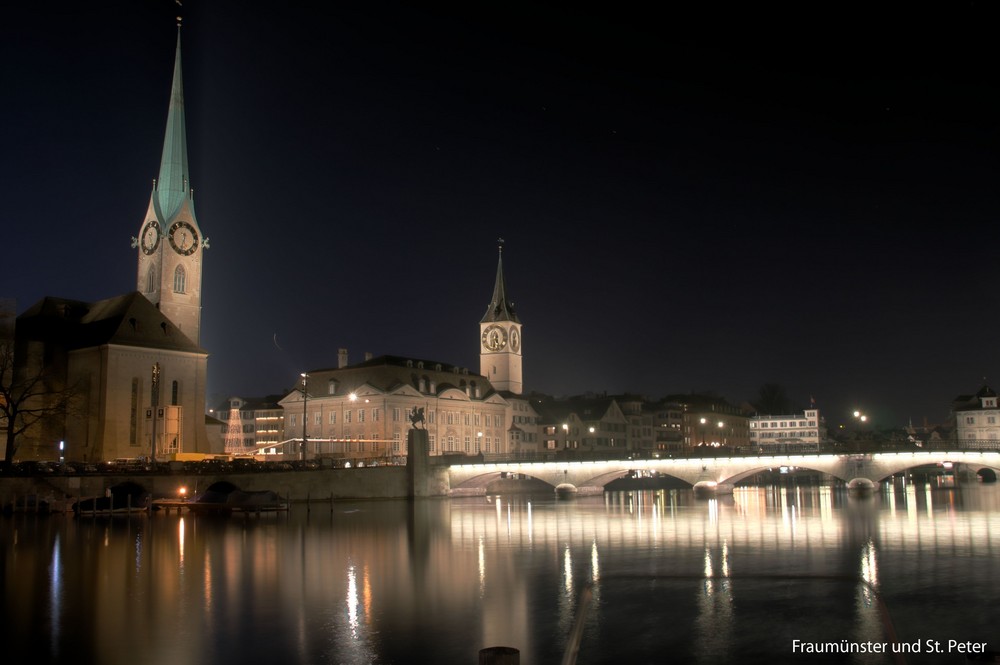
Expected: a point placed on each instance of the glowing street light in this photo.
(305, 398)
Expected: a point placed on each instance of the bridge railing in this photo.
(830, 448)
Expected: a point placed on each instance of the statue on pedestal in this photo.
(416, 417)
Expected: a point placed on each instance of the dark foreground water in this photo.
(769, 575)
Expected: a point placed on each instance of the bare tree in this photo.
(773, 399)
(28, 398)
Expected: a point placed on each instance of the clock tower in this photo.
(170, 242)
(500, 338)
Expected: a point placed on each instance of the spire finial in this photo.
(500, 244)
(179, 18)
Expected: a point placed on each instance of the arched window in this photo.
(180, 280)
(151, 279)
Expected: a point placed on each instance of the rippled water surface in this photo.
(637, 577)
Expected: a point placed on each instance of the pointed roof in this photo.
(500, 308)
(172, 187)
(126, 320)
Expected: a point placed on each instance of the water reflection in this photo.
(395, 582)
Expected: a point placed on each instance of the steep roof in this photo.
(173, 184)
(500, 308)
(127, 320)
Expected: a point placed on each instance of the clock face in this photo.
(494, 338)
(183, 238)
(515, 339)
(150, 237)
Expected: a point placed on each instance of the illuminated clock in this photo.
(183, 238)
(150, 237)
(494, 338)
(515, 339)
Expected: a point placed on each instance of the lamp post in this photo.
(305, 399)
(565, 429)
(155, 400)
(703, 421)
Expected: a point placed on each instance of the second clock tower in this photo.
(500, 339)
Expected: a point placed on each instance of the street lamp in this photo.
(305, 399)
(565, 429)
(156, 402)
(703, 421)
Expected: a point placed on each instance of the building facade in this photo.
(792, 431)
(364, 410)
(977, 418)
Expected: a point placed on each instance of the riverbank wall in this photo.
(385, 482)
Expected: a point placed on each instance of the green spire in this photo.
(173, 185)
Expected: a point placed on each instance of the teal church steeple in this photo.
(170, 242)
(173, 185)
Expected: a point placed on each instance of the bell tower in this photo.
(500, 338)
(170, 242)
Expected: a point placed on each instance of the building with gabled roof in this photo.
(105, 352)
(977, 418)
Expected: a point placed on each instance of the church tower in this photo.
(500, 338)
(170, 242)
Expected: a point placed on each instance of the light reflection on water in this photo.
(733, 578)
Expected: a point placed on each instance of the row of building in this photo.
(363, 410)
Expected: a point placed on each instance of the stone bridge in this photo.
(862, 470)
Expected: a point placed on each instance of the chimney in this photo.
(341, 358)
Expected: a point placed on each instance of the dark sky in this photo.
(691, 201)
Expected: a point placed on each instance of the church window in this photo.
(180, 280)
(174, 393)
(151, 279)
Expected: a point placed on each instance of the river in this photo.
(771, 574)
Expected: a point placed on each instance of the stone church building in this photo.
(133, 362)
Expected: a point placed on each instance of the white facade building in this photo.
(977, 418)
(801, 430)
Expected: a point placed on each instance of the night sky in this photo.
(690, 201)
